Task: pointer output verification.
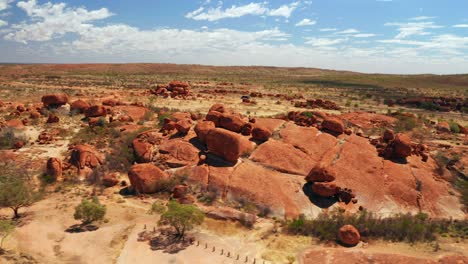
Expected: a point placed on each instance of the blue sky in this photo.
(387, 36)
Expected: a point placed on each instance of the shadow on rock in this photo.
(79, 228)
(319, 201)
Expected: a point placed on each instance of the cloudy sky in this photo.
(388, 36)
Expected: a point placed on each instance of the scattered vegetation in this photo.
(402, 227)
(6, 228)
(405, 122)
(157, 208)
(89, 211)
(8, 137)
(182, 217)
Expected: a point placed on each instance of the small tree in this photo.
(16, 190)
(182, 217)
(89, 211)
(6, 228)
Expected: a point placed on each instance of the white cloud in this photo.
(306, 22)
(256, 9)
(4, 4)
(461, 26)
(348, 31)
(3, 23)
(319, 42)
(53, 20)
(420, 18)
(413, 28)
(364, 35)
(328, 29)
(284, 10)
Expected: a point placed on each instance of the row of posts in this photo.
(228, 254)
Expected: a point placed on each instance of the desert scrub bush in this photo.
(89, 211)
(401, 227)
(454, 127)
(405, 123)
(157, 208)
(6, 228)
(167, 185)
(121, 156)
(9, 136)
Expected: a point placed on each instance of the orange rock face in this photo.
(401, 146)
(202, 128)
(85, 156)
(145, 177)
(179, 153)
(334, 125)
(227, 144)
(282, 157)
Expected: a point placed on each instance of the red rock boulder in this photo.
(333, 124)
(202, 128)
(85, 156)
(401, 146)
(325, 189)
(54, 168)
(146, 178)
(321, 173)
(227, 144)
(96, 111)
(110, 180)
(261, 133)
(79, 106)
(52, 119)
(54, 100)
(443, 127)
(183, 126)
(214, 116)
(231, 122)
(349, 235)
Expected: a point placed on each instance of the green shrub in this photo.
(454, 127)
(182, 217)
(157, 208)
(405, 123)
(89, 211)
(6, 228)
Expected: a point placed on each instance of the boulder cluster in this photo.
(443, 104)
(319, 120)
(175, 89)
(399, 146)
(323, 178)
(318, 103)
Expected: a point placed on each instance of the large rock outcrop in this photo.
(227, 144)
(146, 178)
